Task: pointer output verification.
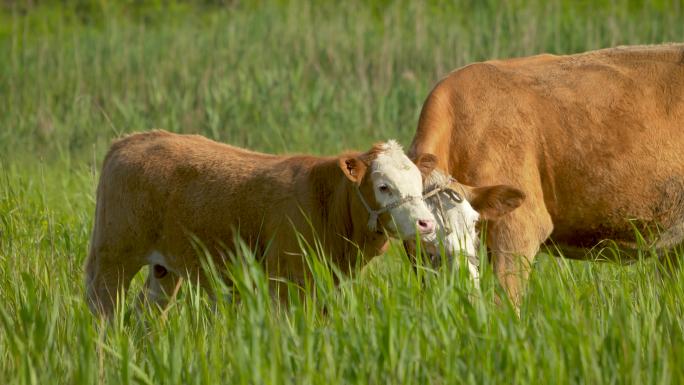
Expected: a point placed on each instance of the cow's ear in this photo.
(353, 168)
(492, 202)
(426, 163)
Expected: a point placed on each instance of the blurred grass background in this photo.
(295, 76)
(274, 76)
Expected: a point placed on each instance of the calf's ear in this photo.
(492, 202)
(426, 163)
(352, 167)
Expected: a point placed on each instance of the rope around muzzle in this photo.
(374, 215)
(452, 194)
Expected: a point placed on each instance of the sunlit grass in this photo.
(581, 322)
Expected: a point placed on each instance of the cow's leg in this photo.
(514, 238)
(109, 272)
(514, 241)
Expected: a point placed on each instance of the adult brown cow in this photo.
(594, 141)
(160, 191)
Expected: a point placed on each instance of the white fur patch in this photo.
(156, 258)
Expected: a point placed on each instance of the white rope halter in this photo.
(373, 215)
(451, 194)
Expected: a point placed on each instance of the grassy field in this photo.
(295, 77)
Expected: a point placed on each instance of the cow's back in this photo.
(599, 133)
(170, 188)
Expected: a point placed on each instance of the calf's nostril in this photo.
(426, 225)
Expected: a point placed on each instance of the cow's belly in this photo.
(639, 206)
(617, 249)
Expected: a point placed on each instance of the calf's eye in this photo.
(384, 188)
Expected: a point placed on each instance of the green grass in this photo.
(294, 77)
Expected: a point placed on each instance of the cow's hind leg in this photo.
(108, 276)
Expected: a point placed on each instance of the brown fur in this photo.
(594, 140)
(158, 189)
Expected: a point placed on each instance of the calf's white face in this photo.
(395, 178)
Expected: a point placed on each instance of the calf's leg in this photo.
(108, 275)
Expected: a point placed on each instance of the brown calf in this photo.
(159, 190)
